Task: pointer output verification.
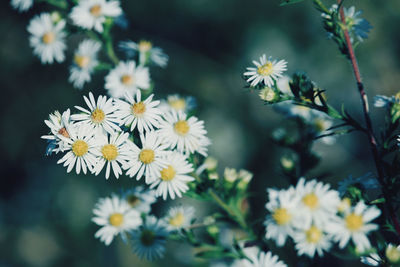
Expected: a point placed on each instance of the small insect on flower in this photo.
(147, 52)
(91, 14)
(47, 38)
(267, 71)
(145, 115)
(100, 115)
(21, 5)
(185, 134)
(148, 242)
(140, 198)
(59, 127)
(172, 180)
(257, 258)
(115, 216)
(179, 217)
(127, 78)
(85, 60)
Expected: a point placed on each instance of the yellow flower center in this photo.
(266, 69)
(138, 108)
(144, 46)
(313, 235)
(167, 174)
(82, 61)
(177, 220)
(110, 152)
(127, 79)
(133, 200)
(311, 201)
(48, 37)
(181, 127)
(63, 131)
(354, 222)
(281, 216)
(98, 115)
(146, 156)
(80, 148)
(116, 219)
(319, 125)
(147, 238)
(178, 104)
(95, 10)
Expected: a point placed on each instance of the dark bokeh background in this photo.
(45, 213)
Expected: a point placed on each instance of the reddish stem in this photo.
(371, 137)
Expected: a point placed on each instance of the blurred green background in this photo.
(45, 213)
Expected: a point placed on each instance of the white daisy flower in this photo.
(355, 225)
(172, 180)
(147, 52)
(100, 115)
(113, 151)
(127, 78)
(59, 126)
(283, 217)
(148, 160)
(179, 217)
(321, 123)
(80, 146)
(140, 198)
(187, 135)
(47, 38)
(148, 242)
(21, 5)
(115, 216)
(318, 202)
(85, 60)
(178, 103)
(267, 71)
(145, 115)
(91, 14)
(312, 240)
(257, 258)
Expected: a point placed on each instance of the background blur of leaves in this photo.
(45, 213)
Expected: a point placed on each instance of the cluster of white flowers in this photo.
(257, 258)
(315, 217)
(98, 138)
(128, 215)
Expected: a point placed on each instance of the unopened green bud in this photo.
(211, 163)
(245, 178)
(230, 175)
(55, 16)
(287, 163)
(213, 176)
(393, 254)
(268, 94)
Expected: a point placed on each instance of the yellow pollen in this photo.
(311, 201)
(144, 46)
(178, 220)
(127, 79)
(167, 174)
(95, 10)
(48, 37)
(178, 104)
(147, 238)
(138, 108)
(82, 61)
(98, 115)
(146, 156)
(354, 222)
(133, 200)
(281, 216)
(181, 127)
(116, 219)
(63, 131)
(266, 69)
(110, 152)
(80, 148)
(313, 235)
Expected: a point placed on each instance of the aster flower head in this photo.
(267, 71)
(257, 258)
(127, 78)
(173, 178)
(312, 240)
(137, 113)
(148, 241)
(85, 60)
(140, 198)
(47, 38)
(21, 5)
(91, 14)
(59, 127)
(116, 217)
(358, 27)
(100, 115)
(179, 217)
(178, 103)
(147, 52)
(187, 135)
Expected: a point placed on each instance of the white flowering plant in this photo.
(129, 132)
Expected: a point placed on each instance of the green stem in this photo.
(321, 6)
(56, 3)
(109, 42)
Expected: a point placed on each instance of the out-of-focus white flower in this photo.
(21, 5)
(267, 71)
(179, 217)
(140, 198)
(147, 52)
